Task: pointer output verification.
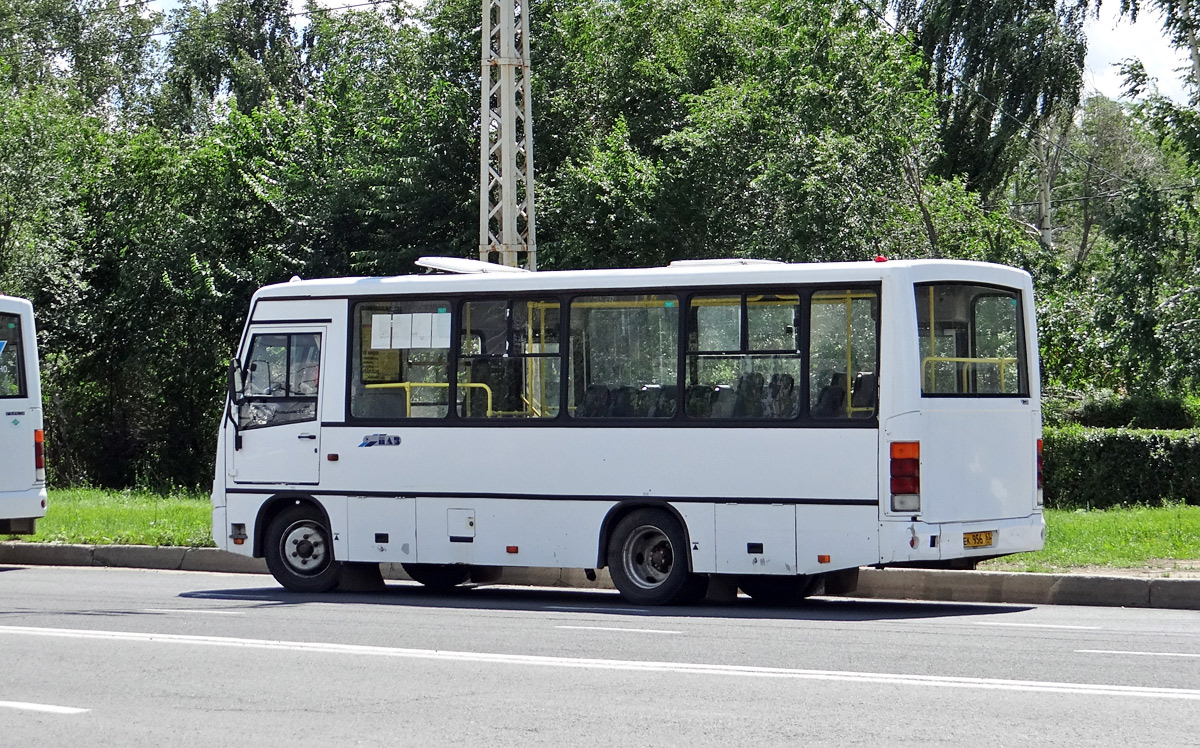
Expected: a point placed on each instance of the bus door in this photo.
(20, 399)
(277, 435)
(979, 418)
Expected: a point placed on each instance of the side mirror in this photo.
(235, 382)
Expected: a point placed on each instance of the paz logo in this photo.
(380, 440)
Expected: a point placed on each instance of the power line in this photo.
(1085, 198)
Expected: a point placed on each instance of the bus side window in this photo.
(400, 359)
(305, 361)
(623, 356)
(509, 362)
(743, 356)
(971, 340)
(281, 380)
(12, 383)
(843, 353)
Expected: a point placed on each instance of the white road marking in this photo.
(229, 595)
(683, 668)
(576, 609)
(195, 610)
(1037, 625)
(51, 708)
(613, 628)
(1140, 654)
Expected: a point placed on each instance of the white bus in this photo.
(22, 461)
(778, 425)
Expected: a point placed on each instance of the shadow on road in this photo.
(606, 602)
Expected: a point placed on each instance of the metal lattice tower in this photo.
(506, 225)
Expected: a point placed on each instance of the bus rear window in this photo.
(12, 379)
(971, 341)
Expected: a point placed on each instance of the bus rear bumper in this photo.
(19, 510)
(906, 542)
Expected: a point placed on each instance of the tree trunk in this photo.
(1193, 43)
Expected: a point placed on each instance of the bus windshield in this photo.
(971, 340)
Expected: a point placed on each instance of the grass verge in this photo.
(1117, 538)
(96, 517)
(1109, 538)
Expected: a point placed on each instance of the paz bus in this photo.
(775, 425)
(22, 461)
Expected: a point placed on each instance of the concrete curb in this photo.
(1029, 589)
(891, 584)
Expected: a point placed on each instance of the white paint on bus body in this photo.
(22, 484)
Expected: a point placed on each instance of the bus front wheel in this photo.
(299, 550)
(647, 559)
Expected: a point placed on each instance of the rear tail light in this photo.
(39, 454)
(1039, 473)
(906, 476)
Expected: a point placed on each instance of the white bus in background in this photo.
(22, 461)
(775, 425)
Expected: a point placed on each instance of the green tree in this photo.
(246, 50)
(1118, 315)
(725, 129)
(998, 67)
(95, 49)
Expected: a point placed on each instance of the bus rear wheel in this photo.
(648, 562)
(438, 577)
(299, 552)
(773, 590)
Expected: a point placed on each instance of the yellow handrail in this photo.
(1000, 362)
(409, 386)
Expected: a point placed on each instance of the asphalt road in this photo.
(127, 657)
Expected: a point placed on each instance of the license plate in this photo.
(981, 539)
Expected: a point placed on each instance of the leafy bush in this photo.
(1110, 411)
(1100, 468)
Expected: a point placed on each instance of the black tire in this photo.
(299, 550)
(648, 560)
(695, 591)
(775, 590)
(438, 577)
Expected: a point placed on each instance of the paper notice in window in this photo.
(378, 365)
(441, 331)
(402, 330)
(422, 331)
(381, 331)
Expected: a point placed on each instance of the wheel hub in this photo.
(305, 549)
(648, 557)
(660, 558)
